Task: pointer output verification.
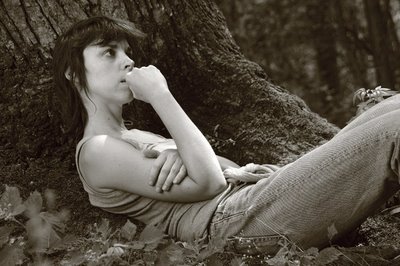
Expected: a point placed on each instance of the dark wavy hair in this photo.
(68, 58)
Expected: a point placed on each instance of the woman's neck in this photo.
(104, 121)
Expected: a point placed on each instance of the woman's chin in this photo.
(130, 98)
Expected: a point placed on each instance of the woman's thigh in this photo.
(384, 107)
(322, 195)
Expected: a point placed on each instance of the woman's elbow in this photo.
(210, 184)
(215, 188)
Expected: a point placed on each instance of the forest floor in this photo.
(97, 242)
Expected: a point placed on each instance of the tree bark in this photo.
(246, 117)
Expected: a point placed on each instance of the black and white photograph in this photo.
(200, 132)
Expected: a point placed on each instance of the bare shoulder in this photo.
(102, 147)
(102, 156)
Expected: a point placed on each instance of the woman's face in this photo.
(106, 67)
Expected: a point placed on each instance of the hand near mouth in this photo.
(146, 83)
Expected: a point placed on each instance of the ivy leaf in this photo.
(137, 245)
(332, 231)
(150, 257)
(235, 262)
(11, 255)
(56, 220)
(33, 204)
(151, 234)
(327, 256)
(77, 258)
(50, 197)
(11, 202)
(308, 256)
(100, 247)
(128, 231)
(280, 257)
(43, 230)
(313, 252)
(5, 232)
(63, 243)
(104, 228)
(172, 255)
(190, 249)
(213, 246)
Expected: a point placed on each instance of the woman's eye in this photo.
(109, 52)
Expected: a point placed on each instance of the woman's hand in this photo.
(167, 169)
(146, 83)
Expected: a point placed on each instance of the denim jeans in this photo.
(322, 195)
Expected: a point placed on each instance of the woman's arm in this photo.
(168, 166)
(110, 163)
(226, 163)
(149, 85)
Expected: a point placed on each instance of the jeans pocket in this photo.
(266, 244)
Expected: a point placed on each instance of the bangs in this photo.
(109, 32)
(103, 30)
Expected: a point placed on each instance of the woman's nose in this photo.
(129, 63)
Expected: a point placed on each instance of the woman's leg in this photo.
(388, 105)
(325, 193)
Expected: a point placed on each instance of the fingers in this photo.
(165, 171)
(156, 169)
(181, 175)
(168, 169)
(175, 170)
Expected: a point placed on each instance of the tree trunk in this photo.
(354, 54)
(246, 117)
(324, 40)
(393, 41)
(381, 46)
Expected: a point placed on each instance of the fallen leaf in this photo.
(128, 231)
(41, 231)
(5, 232)
(77, 258)
(11, 256)
(56, 220)
(236, 262)
(171, 255)
(332, 231)
(104, 228)
(33, 204)
(11, 202)
(137, 245)
(151, 234)
(328, 255)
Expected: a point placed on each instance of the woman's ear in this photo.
(68, 74)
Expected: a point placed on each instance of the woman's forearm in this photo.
(198, 156)
(226, 163)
